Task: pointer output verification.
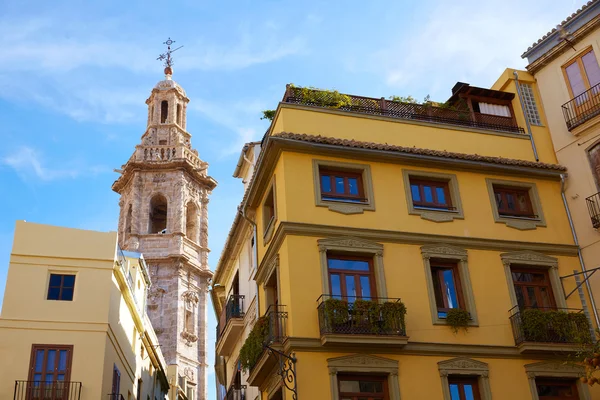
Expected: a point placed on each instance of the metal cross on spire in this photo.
(166, 57)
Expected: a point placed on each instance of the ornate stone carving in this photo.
(361, 360)
(443, 250)
(191, 297)
(189, 374)
(527, 256)
(437, 216)
(350, 242)
(189, 338)
(462, 363)
(159, 177)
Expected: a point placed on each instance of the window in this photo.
(492, 109)
(116, 381)
(430, 194)
(128, 219)
(179, 115)
(158, 214)
(446, 285)
(139, 390)
(49, 364)
(191, 222)
(516, 204)
(556, 389)
(594, 157)
(269, 213)
(582, 73)
(367, 387)
(433, 196)
(61, 287)
(531, 110)
(351, 277)
(513, 202)
(532, 287)
(164, 111)
(463, 388)
(341, 185)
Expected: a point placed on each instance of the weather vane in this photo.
(166, 57)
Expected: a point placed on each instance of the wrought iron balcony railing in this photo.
(351, 315)
(549, 325)
(47, 390)
(234, 308)
(277, 320)
(396, 109)
(582, 108)
(593, 205)
(236, 393)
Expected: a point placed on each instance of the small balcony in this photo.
(269, 330)
(350, 320)
(48, 390)
(593, 205)
(544, 329)
(582, 108)
(231, 324)
(236, 392)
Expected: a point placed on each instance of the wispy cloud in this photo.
(28, 162)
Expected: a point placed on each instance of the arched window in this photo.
(128, 219)
(191, 222)
(158, 214)
(179, 114)
(164, 111)
(594, 154)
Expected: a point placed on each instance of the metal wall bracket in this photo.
(588, 273)
(287, 370)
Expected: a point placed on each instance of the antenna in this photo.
(565, 35)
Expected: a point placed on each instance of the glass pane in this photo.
(55, 280)
(592, 70)
(53, 293)
(339, 184)
(510, 201)
(365, 287)
(62, 360)
(60, 377)
(352, 265)
(350, 286)
(336, 287)
(51, 363)
(520, 297)
(575, 79)
(522, 277)
(39, 360)
(325, 184)
(442, 314)
(67, 294)
(349, 386)
(49, 379)
(69, 281)
(37, 378)
(522, 202)
(353, 185)
(454, 393)
(371, 387)
(468, 392)
(437, 288)
(441, 195)
(546, 302)
(428, 193)
(499, 202)
(531, 297)
(416, 195)
(450, 289)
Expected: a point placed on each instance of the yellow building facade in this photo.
(73, 323)
(407, 251)
(566, 68)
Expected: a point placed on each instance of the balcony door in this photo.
(555, 389)
(582, 74)
(49, 372)
(533, 288)
(351, 278)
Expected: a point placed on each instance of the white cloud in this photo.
(28, 162)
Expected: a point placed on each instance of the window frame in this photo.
(356, 274)
(462, 380)
(347, 376)
(578, 59)
(435, 205)
(62, 274)
(558, 370)
(446, 265)
(46, 347)
(345, 174)
(522, 285)
(517, 222)
(464, 367)
(430, 213)
(532, 111)
(556, 382)
(269, 225)
(444, 253)
(504, 191)
(344, 206)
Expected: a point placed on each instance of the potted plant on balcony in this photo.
(335, 314)
(457, 318)
(393, 317)
(366, 316)
(253, 347)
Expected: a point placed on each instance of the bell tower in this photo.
(164, 189)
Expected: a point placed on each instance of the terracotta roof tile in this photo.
(415, 150)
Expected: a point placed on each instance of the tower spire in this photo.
(166, 56)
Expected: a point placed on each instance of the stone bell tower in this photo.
(164, 190)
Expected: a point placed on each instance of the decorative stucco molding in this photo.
(465, 366)
(556, 369)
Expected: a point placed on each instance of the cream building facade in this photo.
(164, 189)
(73, 323)
(565, 65)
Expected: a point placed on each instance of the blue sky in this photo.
(74, 76)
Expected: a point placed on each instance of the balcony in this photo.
(236, 392)
(543, 329)
(231, 324)
(593, 205)
(395, 109)
(582, 108)
(269, 330)
(352, 321)
(53, 390)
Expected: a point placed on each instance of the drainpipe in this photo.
(255, 253)
(583, 269)
(535, 154)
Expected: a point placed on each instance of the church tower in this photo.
(164, 189)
